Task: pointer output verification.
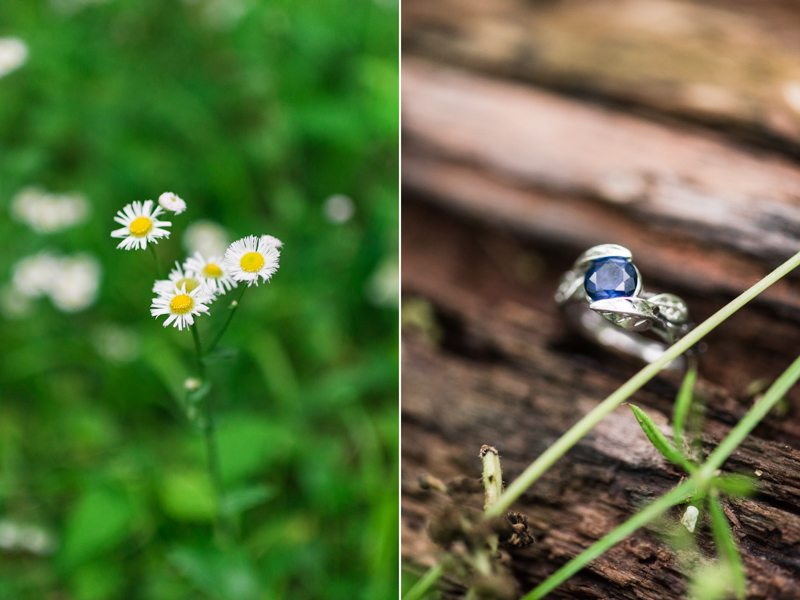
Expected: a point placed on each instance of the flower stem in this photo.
(198, 348)
(159, 268)
(232, 310)
(224, 528)
(546, 460)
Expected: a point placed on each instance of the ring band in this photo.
(602, 297)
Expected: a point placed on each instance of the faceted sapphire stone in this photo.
(610, 278)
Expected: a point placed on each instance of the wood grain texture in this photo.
(691, 180)
(734, 64)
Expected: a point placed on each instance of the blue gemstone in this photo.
(610, 278)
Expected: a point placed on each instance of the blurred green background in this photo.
(254, 112)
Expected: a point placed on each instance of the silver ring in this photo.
(602, 297)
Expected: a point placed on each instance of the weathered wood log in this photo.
(688, 180)
(507, 372)
(733, 64)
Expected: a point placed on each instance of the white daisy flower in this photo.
(211, 271)
(206, 237)
(171, 202)
(252, 257)
(140, 225)
(180, 305)
(269, 239)
(177, 277)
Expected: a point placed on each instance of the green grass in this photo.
(254, 121)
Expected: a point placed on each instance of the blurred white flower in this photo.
(35, 275)
(140, 225)
(71, 282)
(48, 213)
(18, 537)
(13, 54)
(383, 288)
(171, 202)
(252, 257)
(180, 305)
(77, 284)
(206, 237)
(212, 271)
(116, 344)
(338, 208)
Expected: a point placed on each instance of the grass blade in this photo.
(726, 545)
(660, 441)
(424, 583)
(682, 404)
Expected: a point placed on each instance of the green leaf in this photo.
(276, 368)
(658, 440)
(101, 520)
(238, 501)
(102, 579)
(248, 445)
(726, 545)
(219, 354)
(737, 485)
(682, 405)
(188, 496)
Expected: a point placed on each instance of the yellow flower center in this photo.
(181, 304)
(212, 270)
(191, 284)
(140, 226)
(252, 262)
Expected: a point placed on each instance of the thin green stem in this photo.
(640, 519)
(546, 460)
(198, 348)
(159, 268)
(232, 310)
(700, 481)
(223, 524)
(424, 583)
